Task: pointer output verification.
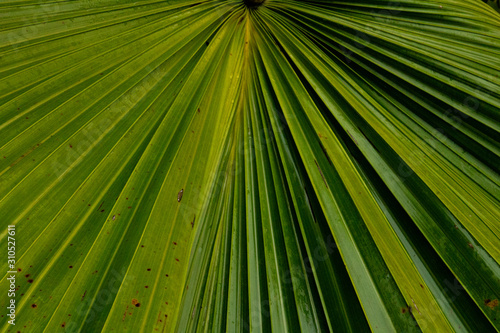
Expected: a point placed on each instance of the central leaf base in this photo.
(253, 3)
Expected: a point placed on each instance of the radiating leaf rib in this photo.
(310, 319)
(237, 305)
(281, 303)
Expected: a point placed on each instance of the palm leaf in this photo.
(251, 166)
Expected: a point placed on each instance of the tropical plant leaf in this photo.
(256, 166)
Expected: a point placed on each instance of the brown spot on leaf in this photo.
(30, 281)
(149, 269)
(492, 304)
(34, 306)
(125, 314)
(136, 303)
(63, 325)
